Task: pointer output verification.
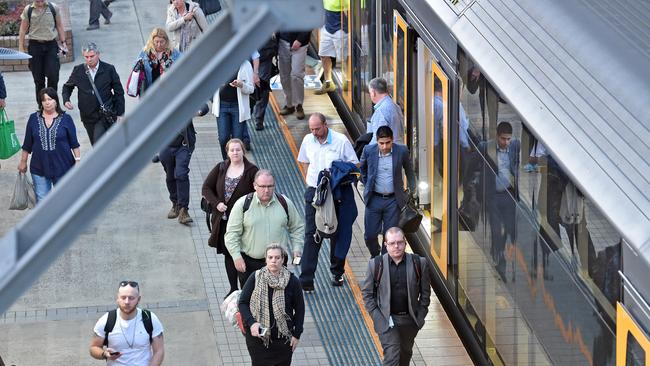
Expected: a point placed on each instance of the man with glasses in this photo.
(260, 218)
(396, 294)
(128, 335)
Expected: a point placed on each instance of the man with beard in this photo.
(128, 335)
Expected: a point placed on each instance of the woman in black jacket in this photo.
(227, 182)
(273, 309)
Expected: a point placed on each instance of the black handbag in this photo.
(410, 216)
(207, 208)
(210, 6)
(107, 117)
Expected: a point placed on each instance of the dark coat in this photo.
(3, 90)
(401, 160)
(108, 84)
(214, 192)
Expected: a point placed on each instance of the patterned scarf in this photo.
(163, 64)
(260, 302)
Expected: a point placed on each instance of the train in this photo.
(550, 270)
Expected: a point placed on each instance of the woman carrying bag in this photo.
(230, 180)
(185, 22)
(273, 309)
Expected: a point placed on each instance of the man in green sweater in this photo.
(269, 218)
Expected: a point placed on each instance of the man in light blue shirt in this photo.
(386, 112)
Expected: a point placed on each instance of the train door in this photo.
(430, 148)
(363, 48)
(400, 64)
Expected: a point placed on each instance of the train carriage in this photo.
(571, 78)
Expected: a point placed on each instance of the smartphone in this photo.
(114, 353)
(263, 331)
(296, 261)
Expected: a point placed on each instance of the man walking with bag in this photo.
(397, 294)
(384, 196)
(99, 91)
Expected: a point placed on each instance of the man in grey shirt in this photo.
(386, 112)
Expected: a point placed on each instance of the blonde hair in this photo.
(157, 32)
(235, 141)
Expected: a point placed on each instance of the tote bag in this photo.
(9, 144)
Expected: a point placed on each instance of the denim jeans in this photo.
(176, 163)
(228, 125)
(42, 185)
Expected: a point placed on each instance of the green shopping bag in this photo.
(9, 144)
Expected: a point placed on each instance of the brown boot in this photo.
(300, 113)
(173, 212)
(287, 110)
(184, 217)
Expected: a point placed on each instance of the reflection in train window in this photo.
(635, 355)
(363, 47)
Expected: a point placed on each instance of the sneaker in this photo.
(309, 289)
(173, 212)
(327, 87)
(287, 111)
(92, 27)
(184, 217)
(259, 126)
(337, 280)
(300, 113)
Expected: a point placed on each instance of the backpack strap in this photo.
(418, 267)
(379, 269)
(110, 324)
(280, 197)
(30, 8)
(148, 323)
(247, 202)
(283, 202)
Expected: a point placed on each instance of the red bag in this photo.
(240, 323)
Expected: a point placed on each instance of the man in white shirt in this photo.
(317, 152)
(133, 336)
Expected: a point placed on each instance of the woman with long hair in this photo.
(230, 180)
(51, 139)
(156, 58)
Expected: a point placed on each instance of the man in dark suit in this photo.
(397, 294)
(108, 84)
(384, 196)
(499, 178)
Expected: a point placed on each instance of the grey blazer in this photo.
(378, 305)
(401, 159)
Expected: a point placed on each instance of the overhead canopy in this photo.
(578, 73)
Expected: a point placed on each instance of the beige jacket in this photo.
(184, 33)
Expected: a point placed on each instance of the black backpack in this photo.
(30, 8)
(379, 268)
(112, 318)
(280, 197)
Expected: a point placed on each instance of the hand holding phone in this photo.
(262, 331)
(296, 261)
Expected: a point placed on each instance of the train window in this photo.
(363, 48)
(635, 356)
(386, 51)
(400, 63)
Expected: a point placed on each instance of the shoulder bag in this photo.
(410, 217)
(107, 117)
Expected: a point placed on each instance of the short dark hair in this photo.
(504, 128)
(51, 92)
(384, 131)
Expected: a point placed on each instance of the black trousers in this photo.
(397, 341)
(95, 129)
(98, 7)
(278, 354)
(44, 64)
(252, 265)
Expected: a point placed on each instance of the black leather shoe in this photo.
(337, 280)
(259, 126)
(308, 288)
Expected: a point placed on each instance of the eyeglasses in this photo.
(265, 187)
(130, 283)
(400, 243)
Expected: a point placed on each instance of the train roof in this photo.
(578, 72)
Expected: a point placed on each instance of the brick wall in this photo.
(12, 42)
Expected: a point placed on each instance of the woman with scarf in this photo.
(155, 59)
(185, 22)
(273, 309)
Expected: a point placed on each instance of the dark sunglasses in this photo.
(130, 283)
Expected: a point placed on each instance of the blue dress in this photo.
(51, 148)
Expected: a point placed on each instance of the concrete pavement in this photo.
(52, 323)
